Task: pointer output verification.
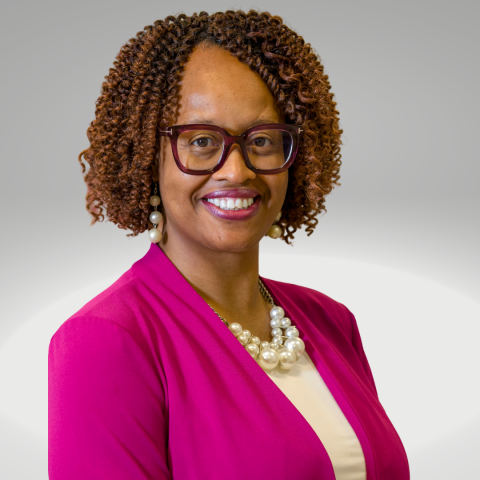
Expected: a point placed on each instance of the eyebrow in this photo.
(209, 122)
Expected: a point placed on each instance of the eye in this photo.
(203, 142)
(261, 142)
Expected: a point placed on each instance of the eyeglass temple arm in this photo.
(165, 132)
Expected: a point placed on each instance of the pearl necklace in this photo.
(285, 348)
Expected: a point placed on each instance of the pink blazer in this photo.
(146, 382)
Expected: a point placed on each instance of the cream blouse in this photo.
(305, 388)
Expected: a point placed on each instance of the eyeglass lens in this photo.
(202, 149)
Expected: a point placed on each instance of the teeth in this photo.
(231, 203)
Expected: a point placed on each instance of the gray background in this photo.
(405, 76)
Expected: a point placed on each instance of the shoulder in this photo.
(308, 296)
(318, 306)
(121, 302)
(115, 301)
(112, 316)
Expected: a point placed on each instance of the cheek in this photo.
(278, 186)
(285, 183)
(168, 172)
(177, 189)
(170, 184)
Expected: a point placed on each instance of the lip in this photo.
(235, 193)
(242, 214)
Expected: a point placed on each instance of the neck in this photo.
(227, 281)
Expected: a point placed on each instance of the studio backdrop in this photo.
(398, 244)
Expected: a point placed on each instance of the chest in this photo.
(224, 425)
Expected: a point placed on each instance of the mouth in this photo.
(233, 204)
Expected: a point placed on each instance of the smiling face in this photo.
(218, 89)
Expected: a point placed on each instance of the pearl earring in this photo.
(156, 217)
(275, 231)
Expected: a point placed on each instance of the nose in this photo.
(234, 169)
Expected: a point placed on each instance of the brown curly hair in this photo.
(140, 95)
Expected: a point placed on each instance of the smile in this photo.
(237, 204)
(231, 203)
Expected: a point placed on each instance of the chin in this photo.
(233, 243)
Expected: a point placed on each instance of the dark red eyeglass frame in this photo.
(229, 140)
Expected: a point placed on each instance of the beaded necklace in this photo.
(286, 346)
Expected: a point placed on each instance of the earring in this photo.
(275, 231)
(155, 217)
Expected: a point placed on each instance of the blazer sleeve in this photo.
(106, 405)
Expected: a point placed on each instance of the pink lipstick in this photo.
(237, 204)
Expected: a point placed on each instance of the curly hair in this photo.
(140, 94)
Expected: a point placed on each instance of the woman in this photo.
(210, 132)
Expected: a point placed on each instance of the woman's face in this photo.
(218, 89)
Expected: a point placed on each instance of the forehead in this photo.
(217, 88)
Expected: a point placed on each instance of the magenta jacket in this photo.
(145, 382)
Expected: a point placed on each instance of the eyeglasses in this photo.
(203, 149)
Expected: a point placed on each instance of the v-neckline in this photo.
(333, 386)
(260, 378)
(256, 373)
